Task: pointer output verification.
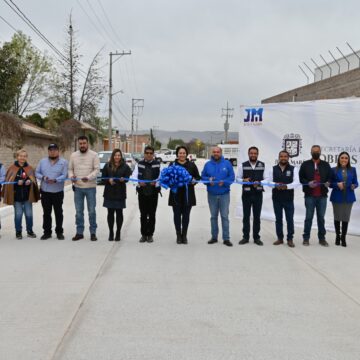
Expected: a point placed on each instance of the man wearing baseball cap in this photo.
(52, 171)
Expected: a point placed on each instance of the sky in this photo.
(190, 57)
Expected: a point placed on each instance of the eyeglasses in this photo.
(148, 153)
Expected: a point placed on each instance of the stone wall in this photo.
(339, 86)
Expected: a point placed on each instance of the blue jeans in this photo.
(79, 197)
(288, 207)
(219, 203)
(21, 207)
(312, 204)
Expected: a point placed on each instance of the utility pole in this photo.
(120, 54)
(136, 109)
(227, 113)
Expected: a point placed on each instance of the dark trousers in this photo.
(181, 217)
(252, 201)
(288, 207)
(111, 219)
(148, 206)
(48, 202)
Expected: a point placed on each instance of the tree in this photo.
(36, 119)
(156, 144)
(55, 117)
(24, 76)
(93, 91)
(174, 143)
(195, 146)
(67, 84)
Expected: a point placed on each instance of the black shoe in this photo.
(178, 238)
(228, 243)
(45, 237)
(19, 235)
(337, 240)
(343, 241)
(323, 243)
(306, 242)
(93, 237)
(78, 237)
(117, 235)
(60, 236)
(212, 241)
(111, 236)
(258, 242)
(243, 241)
(143, 239)
(150, 239)
(31, 234)
(184, 239)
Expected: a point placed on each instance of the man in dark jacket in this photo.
(315, 176)
(220, 174)
(252, 171)
(286, 178)
(147, 169)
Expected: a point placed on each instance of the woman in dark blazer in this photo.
(343, 182)
(182, 201)
(115, 191)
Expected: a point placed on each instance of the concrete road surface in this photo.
(106, 300)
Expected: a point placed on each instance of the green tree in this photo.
(157, 145)
(25, 76)
(196, 146)
(174, 143)
(55, 117)
(36, 119)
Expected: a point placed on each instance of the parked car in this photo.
(230, 152)
(104, 157)
(170, 155)
(130, 160)
(137, 156)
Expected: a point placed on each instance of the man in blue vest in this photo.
(147, 169)
(252, 195)
(286, 179)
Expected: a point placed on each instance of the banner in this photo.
(296, 126)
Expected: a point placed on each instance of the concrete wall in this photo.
(36, 148)
(339, 86)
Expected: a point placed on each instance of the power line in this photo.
(110, 24)
(100, 22)
(6, 22)
(23, 17)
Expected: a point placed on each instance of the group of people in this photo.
(20, 189)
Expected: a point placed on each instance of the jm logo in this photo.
(254, 115)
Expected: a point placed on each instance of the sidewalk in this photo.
(102, 300)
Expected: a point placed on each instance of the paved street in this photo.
(105, 300)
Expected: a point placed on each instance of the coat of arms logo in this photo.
(292, 143)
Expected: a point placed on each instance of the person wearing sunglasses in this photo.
(147, 171)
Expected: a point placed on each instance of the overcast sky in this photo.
(190, 57)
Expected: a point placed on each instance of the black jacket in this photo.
(118, 190)
(180, 197)
(306, 174)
